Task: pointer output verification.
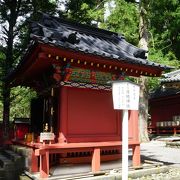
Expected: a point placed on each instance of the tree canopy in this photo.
(124, 19)
(164, 27)
(14, 15)
(163, 30)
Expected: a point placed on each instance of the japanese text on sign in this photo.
(46, 136)
(125, 95)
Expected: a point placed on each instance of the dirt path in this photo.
(157, 151)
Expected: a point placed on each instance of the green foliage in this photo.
(20, 101)
(153, 83)
(164, 26)
(15, 31)
(124, 19)
(168, 59)
(14, 27)
(85, 11)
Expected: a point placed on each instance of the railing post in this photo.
(136, 156)
(44, 165)
(96, 160)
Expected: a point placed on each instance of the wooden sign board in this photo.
(46, 136)
(125, 95)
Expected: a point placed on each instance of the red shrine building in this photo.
(165, 105)
(69, 64)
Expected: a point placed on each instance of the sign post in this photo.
(125, 97)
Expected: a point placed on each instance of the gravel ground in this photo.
(24, 177)
(173, 174)
(157, 151)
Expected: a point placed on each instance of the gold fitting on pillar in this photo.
(52, 110)
(52, 91)
(46, 127)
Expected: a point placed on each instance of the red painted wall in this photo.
(87, 115)
(163, 109)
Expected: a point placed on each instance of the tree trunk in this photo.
(143, 107)
(6, 110)
(6, 88)
(14, 8)
(143, 110)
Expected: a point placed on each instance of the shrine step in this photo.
(2, 174)
(19, 150)
(7, 167)
(24, 152)
(16, 158)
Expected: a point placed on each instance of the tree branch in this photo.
(4, 30)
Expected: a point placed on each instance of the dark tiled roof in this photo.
(65, 34)
(171, 77)
(163, 92)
